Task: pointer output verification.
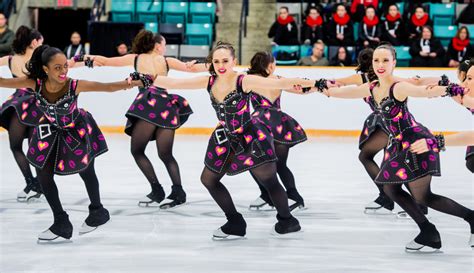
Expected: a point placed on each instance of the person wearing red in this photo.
(358, 8)
(340, 30)
(417, 21)
(393, 29)
(370, 30)
(312, 29)
(460, 48)
(284, 30)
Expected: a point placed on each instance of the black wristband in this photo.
(444, 81)
(441, 142)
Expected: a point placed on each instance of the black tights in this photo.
(470, 163)
(50, 190)
(142, 133)
(16, 134)
(285, 174)
(265, 174)
(421, 191)
(376, 143)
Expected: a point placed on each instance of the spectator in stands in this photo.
(75, 48)
(122, 49)
(460, 48)
(370, 31)
(312, 29)
(340, 30)
(358, 8)
(386, 6)
(426, 51)
(6, 37)
(417, 21)
(342, 58)
(393, 29)
(284, 31)
(466, 16)
(317, 58)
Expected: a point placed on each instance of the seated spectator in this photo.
(393, 30)
(460, 48)
(122, 49)
(6, 37)
(342, 58)
(75, 48)
(316, 59)
(340, 30)
(385, 6)
(417, 21)
(284, 31)
(426, 51)
(358, 8)
(370, 31)
(312, 29)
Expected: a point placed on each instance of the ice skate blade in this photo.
(404, 215)
(85, 229)
(296, 207)
(414, 247)
(264, 207)
(168, 204)
(37, 198)
(148, 204)
(219, 235)
(48, 237)
(21, 199)
(292, 235)
(378, 211)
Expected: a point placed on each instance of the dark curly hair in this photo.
(364, 60)
(219, 45)
(464, 66)
(23, 38)
(41, 57)
(260, 62)
(145, 41)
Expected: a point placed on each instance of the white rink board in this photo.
(312, 111)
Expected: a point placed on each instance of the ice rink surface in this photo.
(337, 236)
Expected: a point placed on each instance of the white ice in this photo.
(337, 236)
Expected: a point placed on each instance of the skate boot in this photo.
(427, 241)
(234, 229)
(383, 205)
(470, 219)
(156, 195)
(263, 203)
(31, 193)
(60, 231)
(286, 225)
(96, 218)
(176, 198)
(295, 200)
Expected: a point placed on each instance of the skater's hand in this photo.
(190, 64)
(419, 147)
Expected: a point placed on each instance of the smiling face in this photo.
(383, 62)
(426, 34)
(223, 61)
(469, 81)
(57, 68)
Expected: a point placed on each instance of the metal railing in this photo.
(244, 13)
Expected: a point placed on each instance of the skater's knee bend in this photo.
(166, 156)
(137, 151)
(16, 145)
(365, 156)
(391, 190)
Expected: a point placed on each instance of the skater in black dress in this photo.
(66, 139)
(400, 165)
(19, 113)
(155, 114)
(286, 130)
(240, 143)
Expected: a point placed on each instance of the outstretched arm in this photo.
(90, 86)
(403, 90)
(355, 79)
(460, 139)
(17, 83)
(173, 83)
(126, 60)
(349, 92)
(419, 81)
(191, 66)
(251, 82)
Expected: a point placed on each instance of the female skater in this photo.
(400, 166)
(286, 131)
(155, 114)
(67, 139)
(374, 134)
(19, 113)
(240, 142)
